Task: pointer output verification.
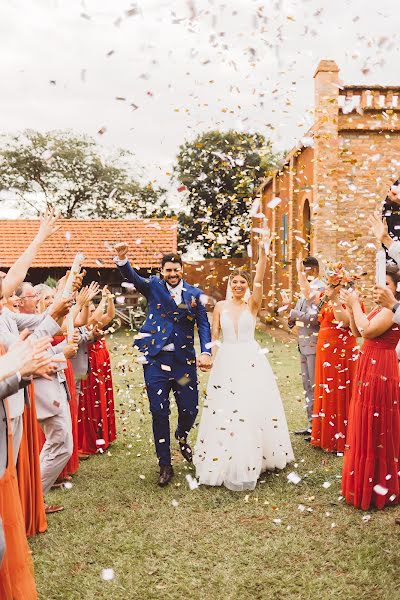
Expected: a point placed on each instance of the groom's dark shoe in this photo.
(186, 450)
(166, 474)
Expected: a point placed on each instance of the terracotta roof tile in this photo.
(148, 240)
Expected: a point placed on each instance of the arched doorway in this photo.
(307, 224)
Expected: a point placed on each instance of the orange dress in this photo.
(335, 369)
(28, 471)
(371, 461)
(17, 581)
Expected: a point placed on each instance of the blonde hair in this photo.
(41, 290)
(241, 272)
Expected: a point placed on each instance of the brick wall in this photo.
(343, 178)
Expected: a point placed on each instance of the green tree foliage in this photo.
(221, 172)
(67, 171)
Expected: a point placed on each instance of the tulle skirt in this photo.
(243, 430)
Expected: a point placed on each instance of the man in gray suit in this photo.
(305, 316)
(52, 409)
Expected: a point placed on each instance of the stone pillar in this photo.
(326, 143)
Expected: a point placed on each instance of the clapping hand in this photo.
(379, 228)
(348, 297)
(384, 297)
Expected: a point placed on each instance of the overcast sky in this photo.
(183, 66)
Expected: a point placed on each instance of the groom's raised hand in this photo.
(121, 250)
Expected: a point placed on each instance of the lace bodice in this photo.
(245, 327)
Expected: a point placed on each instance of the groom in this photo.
(167, 342)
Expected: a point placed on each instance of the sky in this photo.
(151, 74)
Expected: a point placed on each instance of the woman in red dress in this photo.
(371, 463)
(335, 368)
(96, 405)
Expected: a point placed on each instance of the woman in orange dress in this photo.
(370, 475)
(96, 406)
(28, 470)
(335, 367)
(17, 581)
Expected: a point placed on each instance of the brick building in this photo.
(340, 173)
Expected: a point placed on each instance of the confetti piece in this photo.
(192, 482)
(294, 478)
(380, 490)
(274, 202)
(107, 574)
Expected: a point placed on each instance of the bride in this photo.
(243, 429)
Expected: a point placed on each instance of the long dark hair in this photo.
(393, 272)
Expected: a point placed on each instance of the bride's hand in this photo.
(204, 362)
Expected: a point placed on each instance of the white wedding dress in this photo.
(243, 429)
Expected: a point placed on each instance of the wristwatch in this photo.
(395, 307)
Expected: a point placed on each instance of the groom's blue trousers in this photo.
(162, 374)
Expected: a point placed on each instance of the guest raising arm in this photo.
(16, 274)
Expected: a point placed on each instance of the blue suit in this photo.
(166, 323)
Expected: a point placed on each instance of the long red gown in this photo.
(73, 464)
(371, 463)
(96, 404)
(17, 581)
(335, 368)
(28, 471)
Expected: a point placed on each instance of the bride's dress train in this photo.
(243, 429)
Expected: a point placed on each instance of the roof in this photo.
(148, 239)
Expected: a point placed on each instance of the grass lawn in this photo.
(282, 541)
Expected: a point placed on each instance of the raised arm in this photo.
(255, 299)
(109, 315)
(304, 284)
(141, 283)
(17, 273)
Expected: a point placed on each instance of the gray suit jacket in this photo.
(51, 394)
(306, 314)
(11, 324)
(80, 362)
(8, 388)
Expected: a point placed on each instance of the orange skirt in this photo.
(17, 581)
(28, 471)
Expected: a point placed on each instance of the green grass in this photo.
(215, 543)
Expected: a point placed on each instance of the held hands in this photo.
(384, 297)
(204, 362)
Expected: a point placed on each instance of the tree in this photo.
(67, 171)
(221, 173)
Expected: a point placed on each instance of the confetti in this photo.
(107, 574)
